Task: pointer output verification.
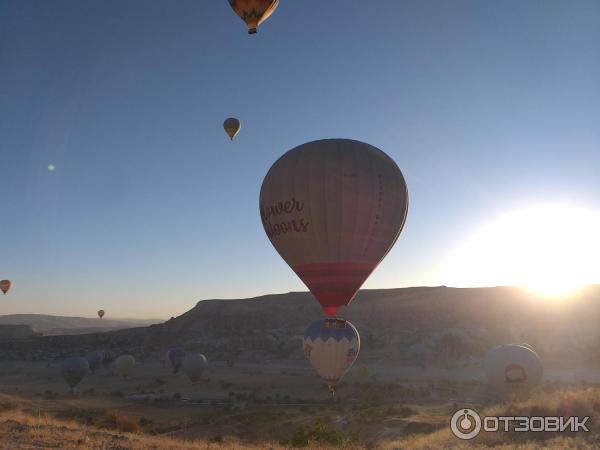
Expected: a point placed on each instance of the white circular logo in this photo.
(465, 423)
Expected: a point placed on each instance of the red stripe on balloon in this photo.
(334, 284)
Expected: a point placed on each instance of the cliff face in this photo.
(436, 325)
(9, 332)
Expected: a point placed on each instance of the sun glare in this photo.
(552, 250)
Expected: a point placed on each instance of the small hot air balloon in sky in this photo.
(5, 286)
(175, 357)
(253, 12)
(94, 359)
(331, 346)
(232, 127)
(193, 365)
(73, 370)
(513, 367)
(124, 364)
(101, 313)
(333, 209)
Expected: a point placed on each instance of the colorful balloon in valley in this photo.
(94, 359)
(333, 209)
(108, 358)
(193, 365)
(73, 370)
(124, 364)
(513, 367)
(253, 12)
(331, 346)
(5, 286)
(232, 127)
(175, 357)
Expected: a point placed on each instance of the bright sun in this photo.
(550, 249)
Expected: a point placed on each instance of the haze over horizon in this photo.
(490, 109)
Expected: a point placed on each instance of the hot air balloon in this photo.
(101, 313)
(333, 209)
(331, 346)
(175, 357)
(513, 367)
(94, 359)
(253, 12)
(232, 127)
(108, 358)
(124, 364)
(73, 370)
(5, 286)
(193, 365)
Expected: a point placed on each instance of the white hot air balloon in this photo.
(331, 346)
(193, 365)
(513, 368)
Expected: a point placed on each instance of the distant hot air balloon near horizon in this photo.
(101, 313)
(124, 364)
(193, 365)
(513, 367)
(232, 127)
(73, 370)
(5, 286)
(331, 346)
(253, 12)
(175, 357)
(333, 209)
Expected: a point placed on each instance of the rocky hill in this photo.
(423, 325)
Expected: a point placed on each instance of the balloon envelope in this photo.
(124, 364)
(333, 209)
(94, 359)
(193, 365)
(510, 367)
(101, 313)
(5, 286)
(253, 12)
(175, 358)
(73, 370)
(331, 346)
(232, 127)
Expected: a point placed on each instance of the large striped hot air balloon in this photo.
(5, 286)
(333, 209)
(513, 367)
(331, 346)
(253, 12)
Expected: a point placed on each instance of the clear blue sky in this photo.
(484, 105)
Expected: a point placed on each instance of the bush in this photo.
(144, 421)
(114, 419)
(318, 434)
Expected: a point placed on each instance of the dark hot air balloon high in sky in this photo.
(101, 313)
(5, 286)
(253, 12)
(232, 127)
(333, 209)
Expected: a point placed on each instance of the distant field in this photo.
(263, 407)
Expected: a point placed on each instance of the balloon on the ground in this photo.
(73, 370)
(175, 357)
(513, 367)
(5, 286)
(331, 346)
(193, 365)
(108, 357)
(94, 359)
(124, 364)
(232, 127)
(333, 209)
(101, 313)
(253, 12)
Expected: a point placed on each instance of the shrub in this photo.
(318, 434)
